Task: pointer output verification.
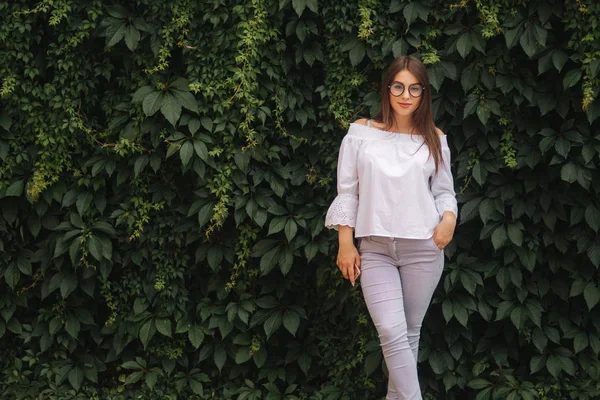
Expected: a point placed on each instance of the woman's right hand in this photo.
(348, 256)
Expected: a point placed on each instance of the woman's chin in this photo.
(403, 112)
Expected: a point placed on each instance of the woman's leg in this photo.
(421, 268)
(382, 290)
(398, 301)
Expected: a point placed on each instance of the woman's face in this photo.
(412, 92)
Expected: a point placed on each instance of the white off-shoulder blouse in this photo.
(387, 185)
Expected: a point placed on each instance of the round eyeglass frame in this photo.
(404, 88)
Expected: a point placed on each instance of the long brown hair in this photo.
(422, 117)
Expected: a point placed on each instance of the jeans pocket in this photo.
(435, 244)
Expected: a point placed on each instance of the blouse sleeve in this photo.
(344, 207)
(442, 184)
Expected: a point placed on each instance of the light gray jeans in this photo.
(398, 278)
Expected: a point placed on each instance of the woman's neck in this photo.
(402, 124)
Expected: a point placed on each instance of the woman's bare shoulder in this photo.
(439, 131)
(361, 121)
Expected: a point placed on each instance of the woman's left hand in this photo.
(442, 235)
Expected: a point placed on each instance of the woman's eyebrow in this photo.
(406, 83)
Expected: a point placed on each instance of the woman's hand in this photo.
(442, 235)
(348, 256)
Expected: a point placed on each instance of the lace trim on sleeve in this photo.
(444, 205)
(342, 211)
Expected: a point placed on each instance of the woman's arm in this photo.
(442, 188)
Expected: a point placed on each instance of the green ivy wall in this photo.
(166, 167)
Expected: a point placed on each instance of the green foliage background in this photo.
(166, 168)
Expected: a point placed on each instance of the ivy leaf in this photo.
(499, 237)
(559, 59)
(291, 321)
(118, 34)
(464, 45)
(147, 331)
(537, 363)
(152, 103)
(220, 356)
(357, 53)
(410, 13)
(12, 275)
(571, 78)
(16, 188)
(132, 37)
(163, 325)
(591, 295)
(272, 323)
(186, 152)
(196, 335)
(400, 47)
(185, 99)
(68, 283)
(290, 229)
(299, 6)
(592, 217)
(312, 5)
(76, 377)
(170, 108)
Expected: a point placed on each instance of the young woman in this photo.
(396, 190)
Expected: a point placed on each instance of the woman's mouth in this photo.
(405, 105)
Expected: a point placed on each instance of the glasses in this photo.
(414, 90)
